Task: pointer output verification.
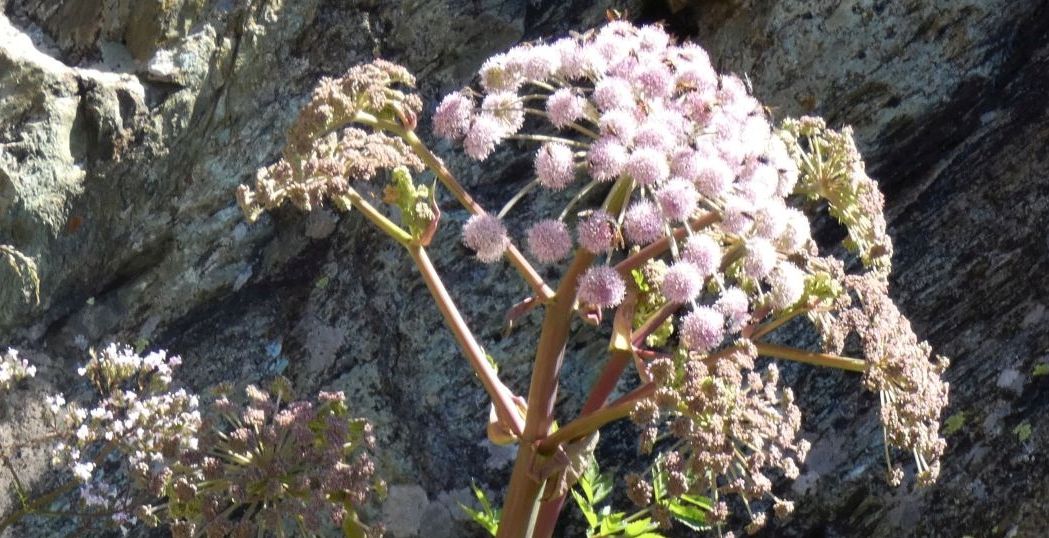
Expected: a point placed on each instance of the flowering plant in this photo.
(146, 453)
(687, 227)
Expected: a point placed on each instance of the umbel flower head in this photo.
(697, 174)
(702, 212)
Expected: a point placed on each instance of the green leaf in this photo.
(611, 523)
(587, 478)
(486, 517)
(689, 516)
(659, 481)
(954, 423)
(641, 527)
(1023, 431)
(701, 502)
(1041, 369)
(586, 509)
(603, 487)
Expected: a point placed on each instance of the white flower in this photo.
(83, 471)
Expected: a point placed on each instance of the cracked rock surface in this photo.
(125, 125)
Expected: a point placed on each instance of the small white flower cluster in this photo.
(13, 369)
(138, 417)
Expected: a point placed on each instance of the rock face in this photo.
(125, 126)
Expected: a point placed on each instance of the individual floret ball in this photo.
(682, 283)
(564, 107)
(485, 132)
(735, 306)
(712, 176)
(704, 253)
(760, 257)
(677, 198)
(507, 108)
(647, 166)
(702, 330)
(601, 286)
(612, 93)
(549, 241)
(597, 232)
(486, 235)
(606, 158)
(554, 167)
(643, 223)
(796, 231)
(452, 117)
(787, 282)
(618, 124)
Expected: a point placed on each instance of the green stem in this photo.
(501, 396)
(434, 163)
(353, 198)
(810, 357)
(587, 424)
(757, 331)
(522, 497)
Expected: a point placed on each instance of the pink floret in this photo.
(549, 241)
(601, 286)
(486, 235)
(703, 329)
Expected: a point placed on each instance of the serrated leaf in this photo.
(585, 508)
(699, 501)
(689, 516)
(641, 527)
(611, 522)
(585, 481)
(659, 481)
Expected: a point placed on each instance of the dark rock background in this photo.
(125, 125)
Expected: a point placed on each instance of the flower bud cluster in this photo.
(322, 156)
(293, 466)
(739, 429)
(903, 372)
(13, 369)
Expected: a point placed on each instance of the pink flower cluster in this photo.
(625, 103)
(625, 109)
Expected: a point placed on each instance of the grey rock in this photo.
(125, 126)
